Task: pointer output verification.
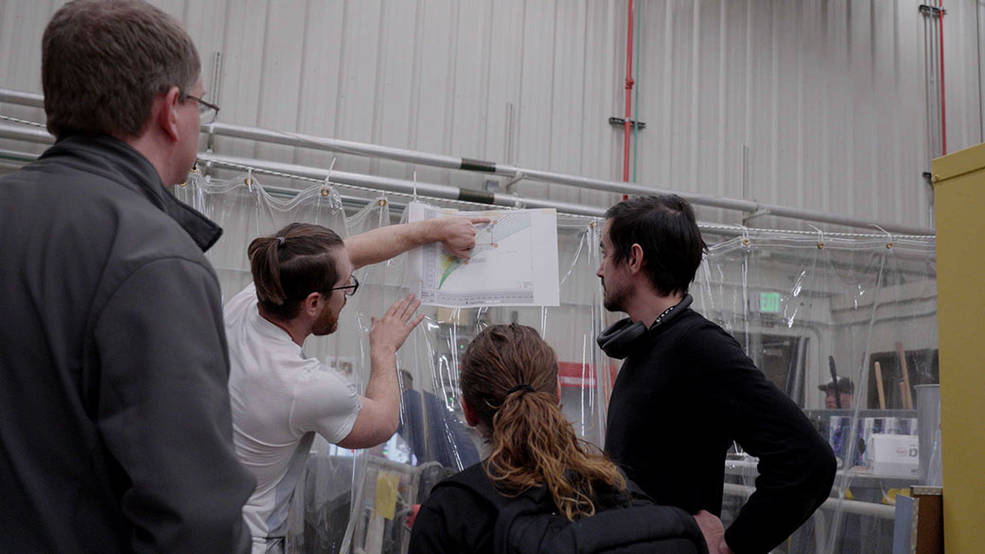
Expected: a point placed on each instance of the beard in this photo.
(326, 324)
(613, 299)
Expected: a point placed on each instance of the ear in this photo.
(164, 112)
(471, 417)
(635, 260)
(311, 304)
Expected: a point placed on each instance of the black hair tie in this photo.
(524, 387)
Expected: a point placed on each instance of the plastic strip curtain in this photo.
(799, 304)
(358, 501)
(806, 307)
(433, 441)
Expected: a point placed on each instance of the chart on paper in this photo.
(513, 263)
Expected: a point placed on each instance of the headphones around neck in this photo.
(618, 339)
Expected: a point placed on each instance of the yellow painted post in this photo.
(959, 213)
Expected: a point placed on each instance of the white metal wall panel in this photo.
(21, 26)
(243, 69)
(320, 76)
(815, 103)
(963, 58)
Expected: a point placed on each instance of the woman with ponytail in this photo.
(541, 488)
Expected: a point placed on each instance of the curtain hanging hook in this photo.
(415, 185)
(191, 174)
(326, 188)
(889, 237)
(249, 178)
(745, 236)
(820, 236)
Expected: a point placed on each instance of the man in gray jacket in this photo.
(115, 430)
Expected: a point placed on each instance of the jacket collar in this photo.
(125, 166)
(626, 335)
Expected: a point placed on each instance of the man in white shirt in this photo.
(301, 278)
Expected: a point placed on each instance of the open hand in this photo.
(389, 332)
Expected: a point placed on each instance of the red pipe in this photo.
(629, 92)
(940, 18)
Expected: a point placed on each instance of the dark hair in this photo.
(103, 62)
(665, 228)
(533, 444)
(293, 263)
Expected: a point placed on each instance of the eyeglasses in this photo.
(207, 111)
(349, 289)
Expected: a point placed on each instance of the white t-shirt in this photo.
(279, 400)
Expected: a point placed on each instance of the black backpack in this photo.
(529, 523)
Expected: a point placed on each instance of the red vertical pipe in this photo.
(940, 18)
(629, 92)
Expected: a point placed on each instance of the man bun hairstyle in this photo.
(665, 228)
(291, 264)
(509, 377)
(104, 61)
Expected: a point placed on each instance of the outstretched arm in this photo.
(380, 413)
(383, 243)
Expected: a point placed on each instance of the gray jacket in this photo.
(115, 431)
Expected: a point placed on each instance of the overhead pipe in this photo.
(390, 184)
(468, 164)
(21, 98)
(401, 186)
(28, 134)
(376, 183)
(450, 162)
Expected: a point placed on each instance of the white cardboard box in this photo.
(893, 455)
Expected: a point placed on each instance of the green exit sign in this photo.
(769, 302)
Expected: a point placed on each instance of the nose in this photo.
(598, 272)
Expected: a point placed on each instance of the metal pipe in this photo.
(926, 86)
(940, 19)
(338, 145)
(451, 162)
(370, 181)
(22, 98)
(15, 156)
(399, 185)
(29, 134)
(880, 511)
(629, 92)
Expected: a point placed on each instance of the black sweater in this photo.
(684, 393)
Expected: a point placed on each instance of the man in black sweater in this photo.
(687, 390)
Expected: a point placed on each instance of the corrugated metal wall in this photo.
(816, 104)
